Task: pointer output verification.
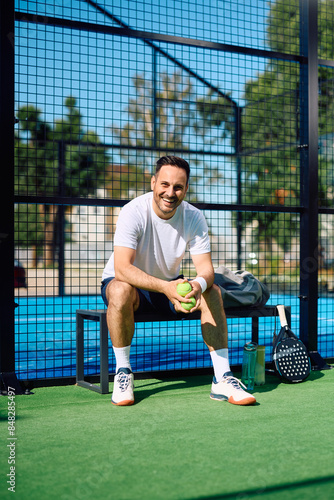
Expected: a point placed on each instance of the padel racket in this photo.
(290, 356)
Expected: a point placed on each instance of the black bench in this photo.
(99, 315)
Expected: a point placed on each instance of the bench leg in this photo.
(79, 349)
(104, 361)
(288, 315)
(104, 368)
(255, 329)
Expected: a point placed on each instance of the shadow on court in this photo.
(326, 482)
(144, 389)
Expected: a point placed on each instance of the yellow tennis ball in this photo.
(183, 288)
(189, 305)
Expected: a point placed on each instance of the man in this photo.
(152, 234)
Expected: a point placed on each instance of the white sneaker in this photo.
(123, 388)
(229, 389)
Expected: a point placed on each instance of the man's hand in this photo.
(196, 292)
(171, 292)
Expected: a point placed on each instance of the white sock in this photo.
(122, 355)
(220, 362)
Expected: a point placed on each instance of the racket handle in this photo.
(282, 316)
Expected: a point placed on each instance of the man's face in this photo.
(169, 188)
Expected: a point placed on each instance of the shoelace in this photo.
(235, 382)
(124, 381)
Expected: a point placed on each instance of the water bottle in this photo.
(260, 366)
(248, 365)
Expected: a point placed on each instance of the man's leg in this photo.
(213, 319)
(225, 387)
(123, 301)
(214, 330)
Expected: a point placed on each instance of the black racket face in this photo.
(291, 360)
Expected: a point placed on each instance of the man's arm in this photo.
(204, 269)
(127, 272)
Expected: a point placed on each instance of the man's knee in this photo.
(119, 293)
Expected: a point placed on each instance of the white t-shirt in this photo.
(160, 244)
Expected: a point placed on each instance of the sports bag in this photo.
(240, 288)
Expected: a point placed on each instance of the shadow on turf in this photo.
(152, 387)
(272, 381)
(270, 489)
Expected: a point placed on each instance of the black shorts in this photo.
(149, 301)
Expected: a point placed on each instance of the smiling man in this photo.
(169, 189)
(152, 235)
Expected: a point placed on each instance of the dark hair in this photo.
(175, 161)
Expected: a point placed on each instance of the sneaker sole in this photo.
(243, 402)
(218, 397)
(125, 402)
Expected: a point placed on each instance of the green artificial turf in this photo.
(174, 443)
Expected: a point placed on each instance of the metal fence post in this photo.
(61, 219)
(309, 174)
(238, 148)
(7, 332)
(309, 179)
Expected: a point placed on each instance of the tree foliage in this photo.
(59, 160)
(37, 165)
(270, 124)
(271, 134)
(166, 116)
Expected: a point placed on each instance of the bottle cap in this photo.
(250, 346)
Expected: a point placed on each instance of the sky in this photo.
(61, 61)
(54, 63)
